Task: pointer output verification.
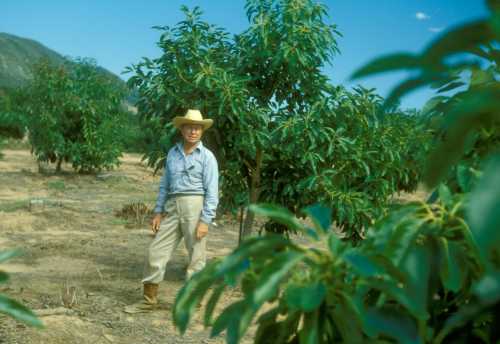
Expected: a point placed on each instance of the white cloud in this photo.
(422, 16)
(436, 29)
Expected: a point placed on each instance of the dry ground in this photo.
(74, 242)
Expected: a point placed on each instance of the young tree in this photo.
(74, 113)
(274, 109)
(12, 122)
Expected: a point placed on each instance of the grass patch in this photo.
(57, 185)
(13, 206)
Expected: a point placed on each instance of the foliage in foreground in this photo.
(11, 307)
(426, 273)
(74, 114)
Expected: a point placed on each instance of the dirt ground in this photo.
(78, 254)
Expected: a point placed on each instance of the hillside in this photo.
(17, 54)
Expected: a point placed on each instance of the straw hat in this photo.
(192, 117)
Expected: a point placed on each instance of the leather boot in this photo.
(151, 293)
(149, 302)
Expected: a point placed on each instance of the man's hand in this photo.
(201, 230)
(155, 225)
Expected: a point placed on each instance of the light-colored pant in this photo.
(183, 214)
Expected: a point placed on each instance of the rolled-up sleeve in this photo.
(163, 192)
(211, 187)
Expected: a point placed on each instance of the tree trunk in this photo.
(58, 167)
(254, 194)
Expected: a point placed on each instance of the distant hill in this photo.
(17, 54)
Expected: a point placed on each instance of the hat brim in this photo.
(178, 121)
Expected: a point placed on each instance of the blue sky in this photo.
(118, 33)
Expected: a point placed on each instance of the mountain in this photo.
(17, 54)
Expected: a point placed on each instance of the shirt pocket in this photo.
(175, 169)
(195, 170)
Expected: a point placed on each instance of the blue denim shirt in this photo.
(194, 174)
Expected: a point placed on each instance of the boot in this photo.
(151, 293)
(149, 302)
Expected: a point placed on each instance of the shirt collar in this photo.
(180, 147)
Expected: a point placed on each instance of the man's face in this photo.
(192, 132)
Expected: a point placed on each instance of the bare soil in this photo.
(81, 264)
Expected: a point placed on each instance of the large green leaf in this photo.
(417, 265)
(458, 40)
(348, 319)
(452, 265)
(321, 216)
(191, 294)
(392, 323)
(278, 214)
(408, 86)
(305, 297)
(230, 319)
(483, 208)
(273, 274)
(362, 263)
(310, 333)
(252, 247)
(18, 311)
(212, 303)
(388, 63)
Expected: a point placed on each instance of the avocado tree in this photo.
(12, 123)
(74, 113)
(275, 111)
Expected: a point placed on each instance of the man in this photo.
(188, 196)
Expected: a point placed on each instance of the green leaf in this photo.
(348, 319)
(407, 86)
(229, 318)
(5, 255)
(191, 294)
(445, 195)
(212, 303)
(487, 289)
(451, 86)
(363, 265)
(19, 312)
(433, 103)
(392, 323)
(309, 333)
(417, 265)
(252, 247)
(388, 63)
(482, 209)
(273, 274)
(475, 108)
(305, 297)
(458, 40)
(451, 273)
(464, 177)
(321, 216)
(278, 214)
